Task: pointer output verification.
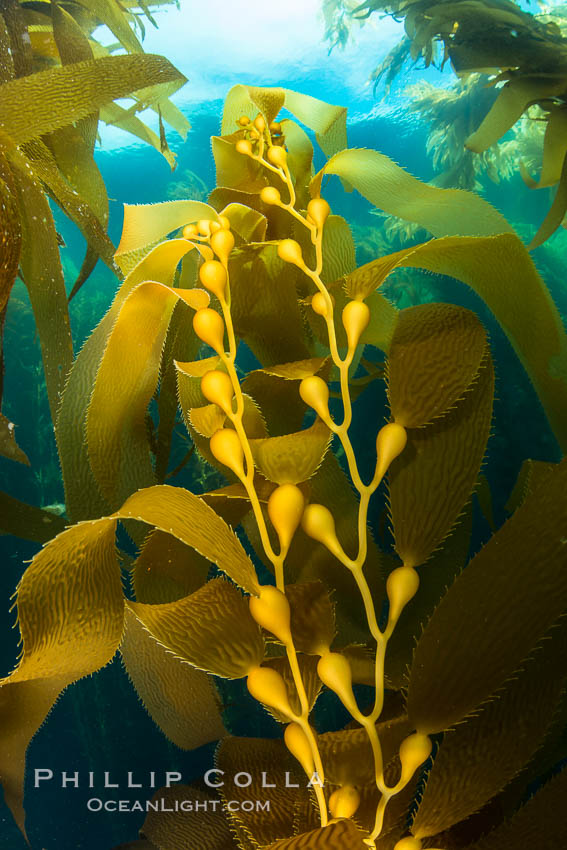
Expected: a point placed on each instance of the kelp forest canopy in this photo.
(523, 54)
(327, 586)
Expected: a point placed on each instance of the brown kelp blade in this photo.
(434, 477)
(514, 722)
(167, 569)
(343, 834)
(8, 445)
(212, 629)
(435, 354)
(27, 521)
(10, 232)
(179, 698)
(495, 612)
(206, 827)
(292, 458)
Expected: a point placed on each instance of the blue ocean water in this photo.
(99, 724)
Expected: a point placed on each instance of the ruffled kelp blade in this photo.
(71, 611)
(343, 834)
(180, 699)
(206, 828)
(292, 458)
(10, 232)
(328, 122)
(495, 612)
(514, 722)
(501, 271)
(40, 103)
(443, 212)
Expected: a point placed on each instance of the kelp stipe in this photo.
(466, 690)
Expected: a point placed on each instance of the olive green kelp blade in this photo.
(495, 612)
(501, 271)
(443, 212)
(179, 698)
(513, 723)
(538, 824)
(10, 232)
(45, 101)
(27, 521)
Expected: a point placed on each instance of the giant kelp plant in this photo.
(526, 54)
(465, 685)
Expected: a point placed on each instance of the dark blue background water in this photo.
(99, 724)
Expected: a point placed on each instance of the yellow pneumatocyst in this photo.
(212, 275)
(318, 522)
(285, 509)
(334, 671)
(390, 442)
(414, 751)
(204, 227)
(315, 393)
(222, 243)
(267, 686)
(298, 744)
(243, 146)
(275, 127)
(318, 211)
(277, 156)
(409, 843)
(217, 388)
(290, 251)
(344, 802)
(271, 611)
(190, 231)
(402, 585)
(244, 120)
(260, 123)
(356, 317)
(209, 327)
(226, 448)
(319, 304)
(270, 195)
(224, 222)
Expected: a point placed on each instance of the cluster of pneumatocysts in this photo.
(286, 507)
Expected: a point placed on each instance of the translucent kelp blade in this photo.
(465, 774)
(206, 420)
(556, 213)
(145, 224)
(512, 289)
(312, 616)
(434, 477)
(82, 496)
(8, 445)
(382, 324)
(70, 613)
(554, 150)
(264, 306)
(126, 380)
(189, 381)
(276, 389)
(113, 113)
(27, 521)
(434, 356)
(206, 828)
(299, 157)
(212, 629)
(343, 834)
(436, 576)
(257, 756)
(181, 700)
(311, 681)
(41, 271)
(443, 212)
(513, 100)
(339, 252)
(328, 122)
(292, 458)
(45, 101)
(190, 519)
(495, 612)
(537, 824)
(111, 14)
(246, 222)
(10, 231)
(167, 569)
